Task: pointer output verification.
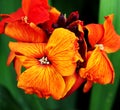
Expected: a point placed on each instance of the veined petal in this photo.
(111, 39)
(95, 33)
(99, 68)
(27, 62)
(43, 79)
(28, 49)
(62, 50)
(24, 32)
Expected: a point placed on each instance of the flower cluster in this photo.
(58, 53)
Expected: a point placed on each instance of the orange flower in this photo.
(98, 69)
(102, 39)
(104, 35)
(49, 67)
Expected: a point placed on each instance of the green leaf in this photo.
(103, 96)
(68, 103)
(7, 102)
(50, 2)
(68, 6)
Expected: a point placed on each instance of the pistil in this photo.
(44, 60)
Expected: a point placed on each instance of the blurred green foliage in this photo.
(102, 97)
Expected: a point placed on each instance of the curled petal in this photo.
(87, 86)
(17, 66)
(21, 31)
(11, 57)
(69, 82)
(77, 83)
(111, 39)
(95, 33)
(43, 81)
(99, 68)
(62, 50)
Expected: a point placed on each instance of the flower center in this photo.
(44, 60)
(100, 46)
(25, 19)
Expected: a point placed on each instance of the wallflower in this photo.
(45, 49)
(22, 32)
(102, 39)
(50, 67)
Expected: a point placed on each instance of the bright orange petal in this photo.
(87, 86)
(69, 82)
(95, 33)
(62, 50)
(10, 57)
(27, 62)
(17, 66)
(21, 31)
(99, 68)
(43, 79)
(77, 83)
(28, 49)
(17, 63)
(111, 39)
